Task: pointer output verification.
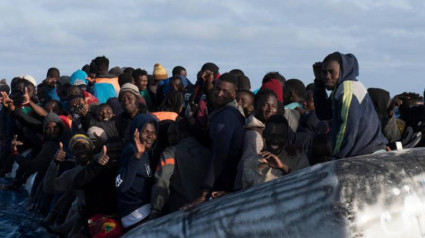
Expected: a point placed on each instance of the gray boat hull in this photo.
(378, 195)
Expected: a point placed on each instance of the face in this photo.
(77, 103)
(268, 108)
(74, 91)
(274, 137)
(142, 82)
(105, 113)
(308, 102)
(148, 135)
(129, 102)
(331, 74)
(224, 93)
(82, 152)
(246, 102)
(53, 130)
(53, 106)
(51, 81)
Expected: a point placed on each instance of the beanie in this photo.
(30, 79)
(159, 72)
(100, 133)
(78, 78)
(131, 88)
(80, 138)
(276, 87)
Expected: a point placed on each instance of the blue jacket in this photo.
(135, 176)
(356, 129)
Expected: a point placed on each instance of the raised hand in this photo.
(15, 143)
(103, 158)
(273, 161)
(140, 147)
(60, 154)
(7, 102)
(26, 96)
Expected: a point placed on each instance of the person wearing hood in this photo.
(277, 158)
(356, 129)
(226, 133)
(53, 130)
(384, 108)
(136, 171)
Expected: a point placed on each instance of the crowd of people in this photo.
(115, 147)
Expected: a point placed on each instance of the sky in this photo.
(386, 36)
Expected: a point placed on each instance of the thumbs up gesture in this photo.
(60, 154)
(15, 143)
(103, 158)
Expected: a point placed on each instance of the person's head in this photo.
(148, 128)
(53, 127)
(98, 136)
(211, 68)
(100, 65)
(244, 83)
(4, 88)
(273, 75)
(141, 79)
(293, 91)
(52, 77)
(125, 78)
(79, 77)
(245, 99)
(266, 105)
(176, 83)
(104, 112)
(82, 148)
(75, 103)
(276, 134)
(331, 70)
(173, 102)
(129, 98)
(178, 131)
(116, 71)
(308, 103)
(237, 72)
(54, 106)
(128, 70)
(225, 89)
(73, 91)
(179, 70)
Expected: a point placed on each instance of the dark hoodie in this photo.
(135, 176)
(356, 129)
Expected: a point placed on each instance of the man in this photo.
(105, 85)
(293, 93)
(245, 99)
(356, 129)
(227, 134)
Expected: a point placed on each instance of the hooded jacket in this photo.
(135, 176)
(356, 129)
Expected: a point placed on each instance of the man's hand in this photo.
(51, 82)
(317, 70)
(7, 102)
(208, 77)
(60, 154)
(203, 198)
(103, 158)
(273, 161)
(15, 143)
(26, 97)
(140, 147)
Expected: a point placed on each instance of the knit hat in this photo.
(80, 138)
(277, 88)
(159, 72)
(29, 78)
(78, 78)
(129, 87)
